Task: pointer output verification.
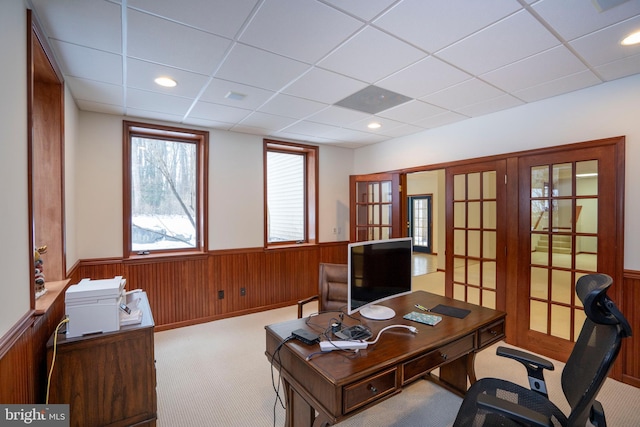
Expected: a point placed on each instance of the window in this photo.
(165, 175)
(291, 193)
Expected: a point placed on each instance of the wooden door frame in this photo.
(398, 184)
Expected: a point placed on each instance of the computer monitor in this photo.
(378, 270)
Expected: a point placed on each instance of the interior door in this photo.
(568, 227)
(376, 201)
(475, 244)
(420, 223)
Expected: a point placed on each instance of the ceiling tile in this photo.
(273, 29)
(440, 120)
(218, 89)
(337, 116)
(447, 23)
(535, 70)
(603, 46)
(85, 62)
(423, 77)
(141, 75)
(371, 55)
(217, 112)
(95, 91)
(507, 41)
(305, 127)
(157, 40)
(290, 106)
(364, 9)
(157, 102)
(575, 18)
(412, 111)
(256, 67)
(202, 14)
(621, 68)
(467, 93)
(270, 122)
(99, 107)
(93, 24)
(490, 106)
(558, 87)
(323, 86)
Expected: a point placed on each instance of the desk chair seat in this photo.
(332, 288)
(494, 402)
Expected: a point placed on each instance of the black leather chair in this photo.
(495, 402)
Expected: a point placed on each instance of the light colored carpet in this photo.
(217, 374)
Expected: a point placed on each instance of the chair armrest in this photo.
(535, 367)
(302, 302)
(513, 411)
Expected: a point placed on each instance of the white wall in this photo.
(236, 207)
(14, 211)
(603, 111)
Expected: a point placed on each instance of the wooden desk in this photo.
(337, 386)
(110, 378)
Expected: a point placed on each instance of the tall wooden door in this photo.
(375, 201)
(569, 226)
(475, 238)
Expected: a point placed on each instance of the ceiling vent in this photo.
(372, 100)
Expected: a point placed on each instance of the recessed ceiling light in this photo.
(374, 125)
(166, 81)
(633, 38)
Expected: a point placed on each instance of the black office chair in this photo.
(493, 402)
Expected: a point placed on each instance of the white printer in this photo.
(93, 306)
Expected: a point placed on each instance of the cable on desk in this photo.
(413, 329)
(53, 358)
(276, 388)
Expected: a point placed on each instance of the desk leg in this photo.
(299, 413)
(471, 367)
(454, 374)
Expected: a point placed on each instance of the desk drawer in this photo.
(491, 334)
(369, 389)
(429, 361)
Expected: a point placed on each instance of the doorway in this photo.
(420, 223)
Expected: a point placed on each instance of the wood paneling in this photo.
(631, 346)
(185, 291)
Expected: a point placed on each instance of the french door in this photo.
(476, 248)
(376, 204)
(569, 225)
(420, 222)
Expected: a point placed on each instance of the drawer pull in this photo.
(444, 356)
(494, 333)
(373, 389)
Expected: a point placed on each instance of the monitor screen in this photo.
(378, 270)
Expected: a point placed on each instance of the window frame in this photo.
(311, 154)
(169, 133)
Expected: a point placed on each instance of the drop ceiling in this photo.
(279, 68)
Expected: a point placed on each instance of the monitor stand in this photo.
(378, 312)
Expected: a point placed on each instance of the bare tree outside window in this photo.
(164, 180)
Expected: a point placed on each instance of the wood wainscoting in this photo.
(185, 292)
(195, 289)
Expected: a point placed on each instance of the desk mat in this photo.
(460, 313)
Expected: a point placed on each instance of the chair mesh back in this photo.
(588, 366)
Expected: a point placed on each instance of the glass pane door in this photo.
(473, 238)
(375, 199)
(420, 223)
(563, 205)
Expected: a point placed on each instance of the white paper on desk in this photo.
(132, 318)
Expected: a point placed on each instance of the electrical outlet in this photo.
(220, 294)
(243, 292)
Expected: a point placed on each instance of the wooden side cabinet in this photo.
(107, 379)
